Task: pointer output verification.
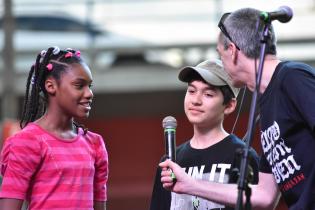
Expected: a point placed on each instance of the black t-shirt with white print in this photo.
(213, 163)
(287, 133)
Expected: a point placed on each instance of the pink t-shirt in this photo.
(51, 173)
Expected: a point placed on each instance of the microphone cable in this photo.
(239, 110)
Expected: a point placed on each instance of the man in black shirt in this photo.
(287, 119)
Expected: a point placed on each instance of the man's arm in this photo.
(12, 204)
(265, 194)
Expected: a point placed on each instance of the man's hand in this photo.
(180, 183)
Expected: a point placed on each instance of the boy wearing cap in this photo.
(209, 154)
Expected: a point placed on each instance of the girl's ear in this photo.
(51, 86)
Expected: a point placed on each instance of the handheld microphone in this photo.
(169, 124)
(284, 14)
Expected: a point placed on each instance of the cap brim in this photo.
(186, 73)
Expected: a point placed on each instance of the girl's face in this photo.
(73, 96)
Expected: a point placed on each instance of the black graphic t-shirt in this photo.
(213, 163)
(287, 133)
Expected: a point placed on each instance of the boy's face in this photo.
(204, 104)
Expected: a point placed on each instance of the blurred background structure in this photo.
(135, 49)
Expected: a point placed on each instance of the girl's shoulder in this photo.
(26, 140)
(96, 142)
(93, 138)
(31, 131)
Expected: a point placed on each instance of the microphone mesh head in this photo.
(288, 12)
(169, 122)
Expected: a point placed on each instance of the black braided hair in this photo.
(52, 62)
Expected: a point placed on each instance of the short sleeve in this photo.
(299, 86)
(101, 170)
(20, 158)
(254, 163)
(264, 165)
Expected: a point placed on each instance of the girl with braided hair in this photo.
(53, 162)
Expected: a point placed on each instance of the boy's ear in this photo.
(50, 86)
(230, 106)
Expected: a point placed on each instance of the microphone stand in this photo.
(244, 174)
